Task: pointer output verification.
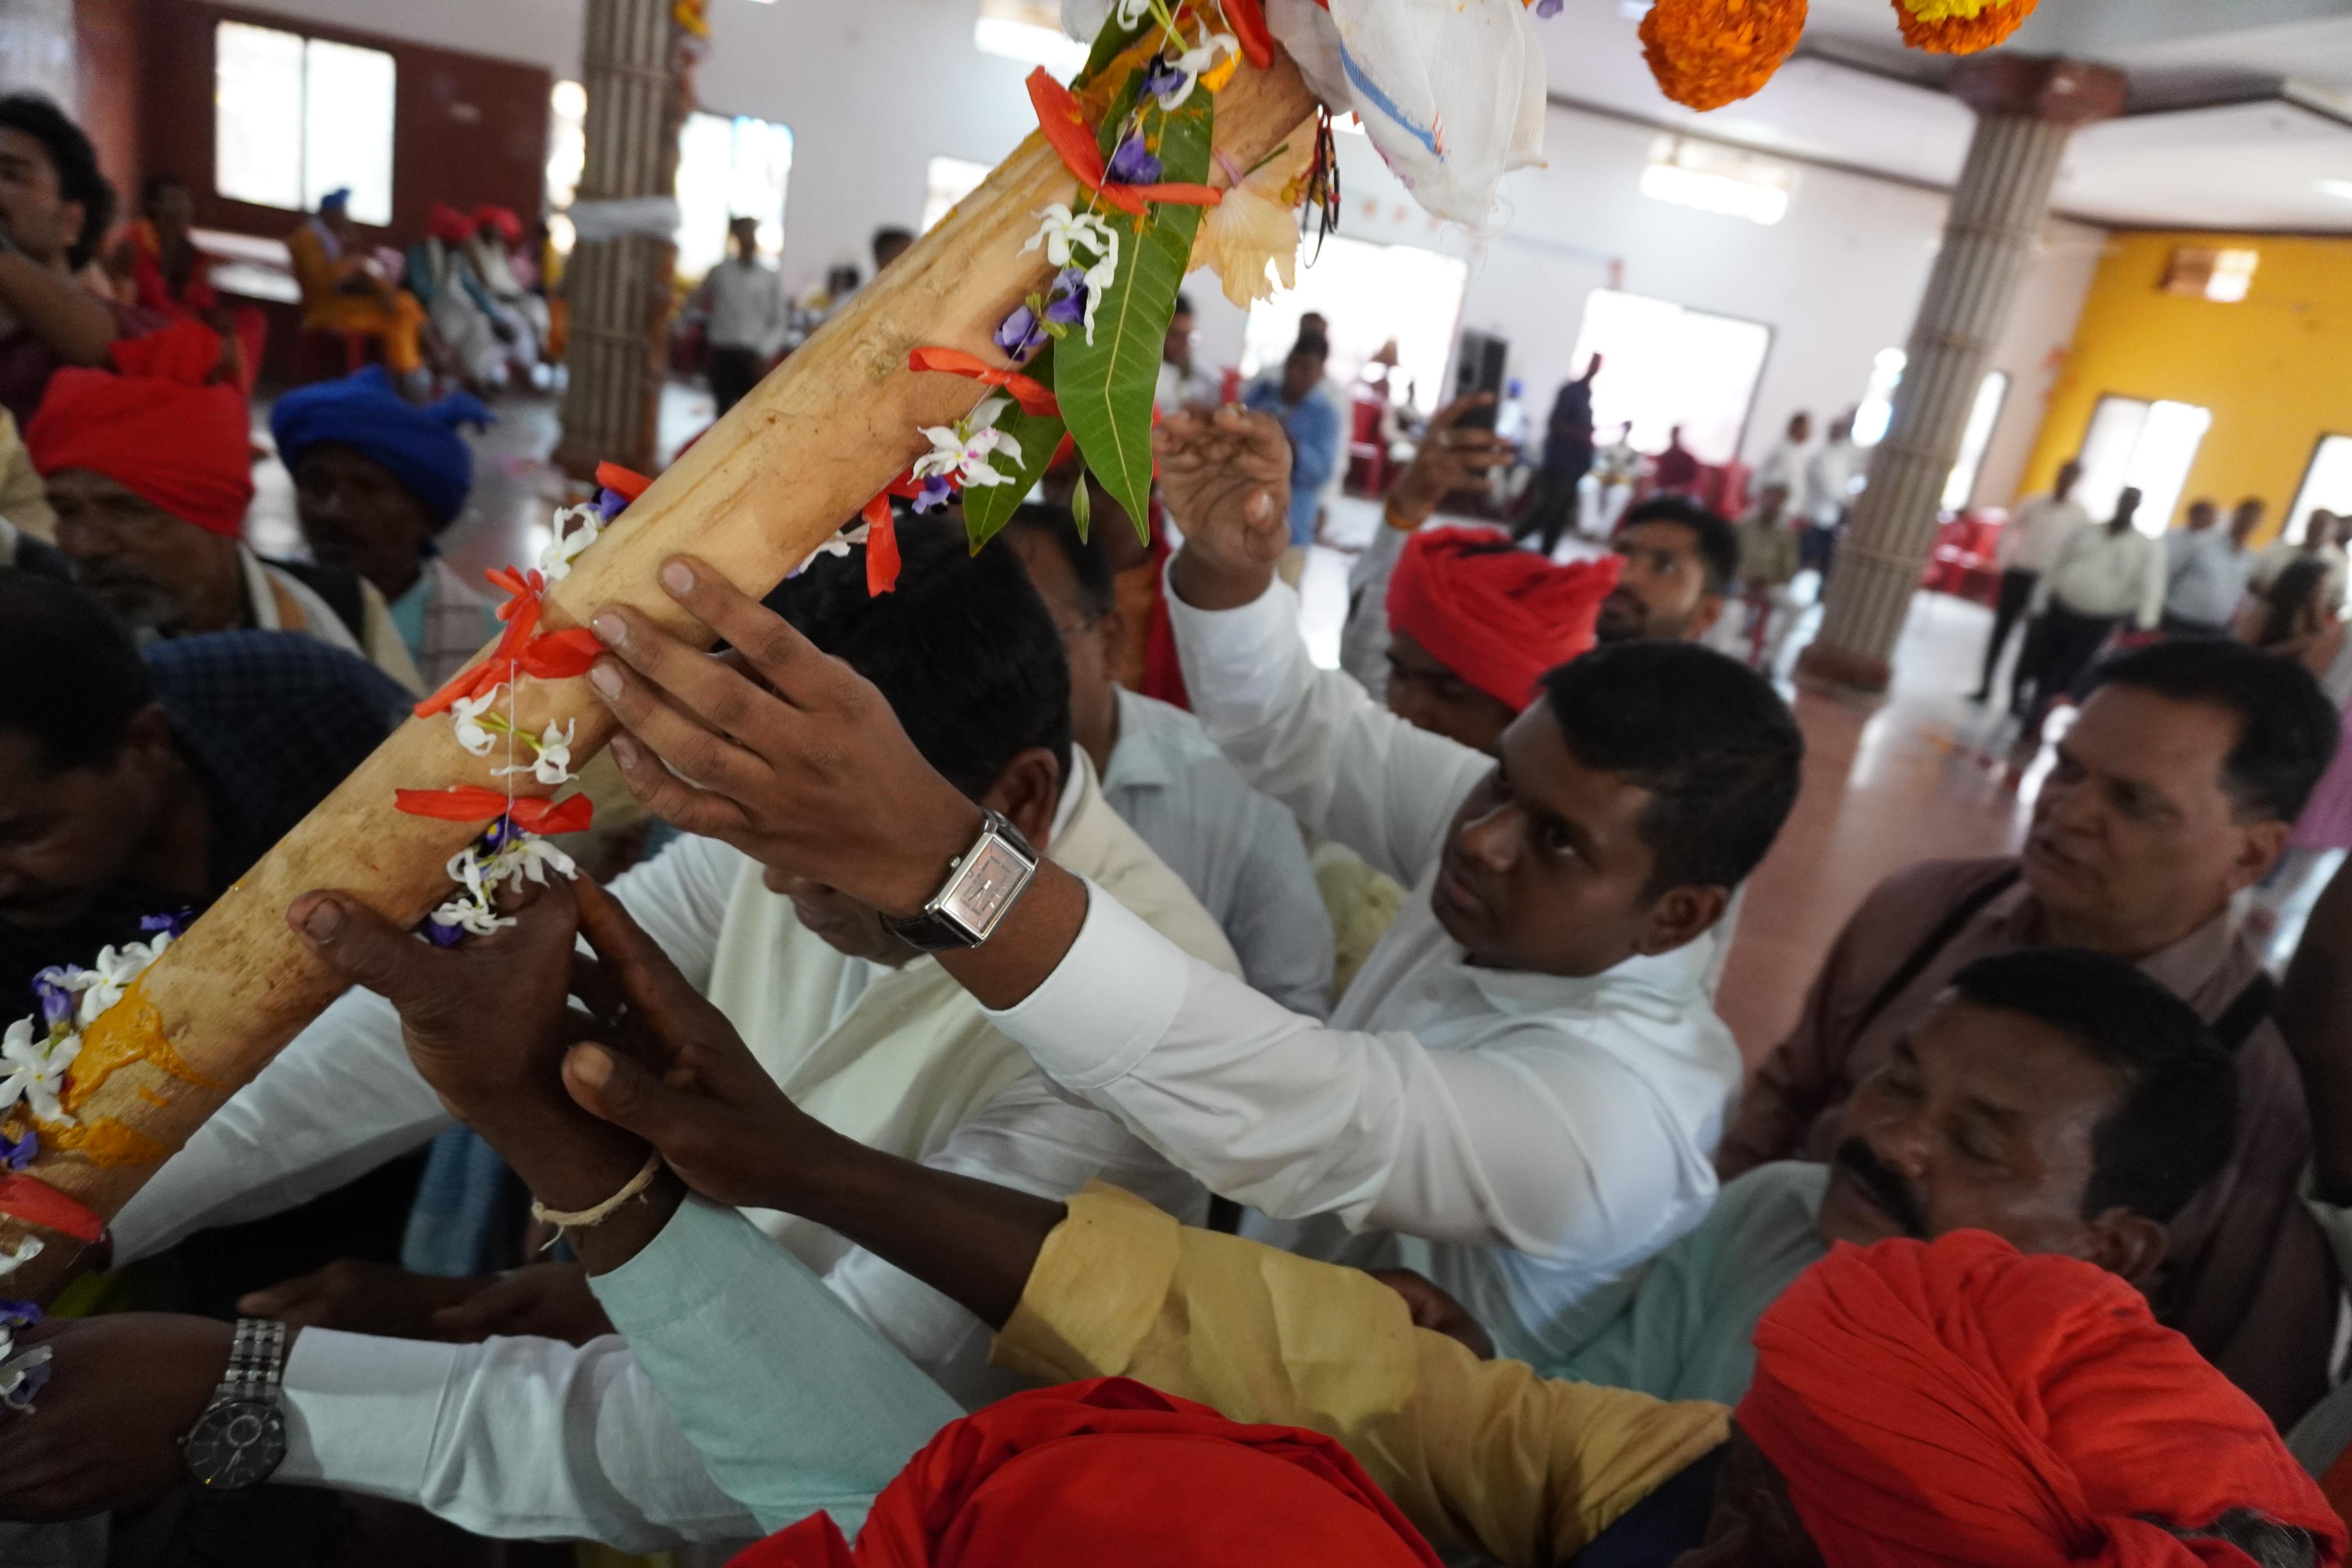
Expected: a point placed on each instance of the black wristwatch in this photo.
(240, 1439)
(982, 886)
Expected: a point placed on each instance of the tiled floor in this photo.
(1886, 783)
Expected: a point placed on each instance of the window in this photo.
(950, 181)
(567, 154)
(1717, 180)
(2204, 272)
(1983, 414)
(295, 118)
(2326, 483)
(728, 169)
(1369, 294)
(2144, 446)
(1029, 31)
(1666, 366)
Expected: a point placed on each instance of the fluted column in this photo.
(617, 291)
(2027, 107)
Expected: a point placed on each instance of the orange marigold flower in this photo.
(1959, 27)
(1708, 53)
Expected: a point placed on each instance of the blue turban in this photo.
(419, 446)
(340, 196)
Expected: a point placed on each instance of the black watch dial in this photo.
(236, 1445)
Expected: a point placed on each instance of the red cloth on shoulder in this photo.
(1495, 614)
(1112, 1473)
(164, 428)
(1956, 1401)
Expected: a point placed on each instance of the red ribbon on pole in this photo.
(622, 481)
(1068, 131)
(1034, 397)
(36, 1202)
(1248, 24)
(881, 545)
(473, 803)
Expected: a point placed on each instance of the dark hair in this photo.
(891, 234)
(1309, 343)
(1707, 736)
(69, 675)
(1089, 563)
(964, 649)
(2269, 1542)
(2287, 597)
(2286, 725)
(2176, 1121)
(1718, 541)
(75, 160)
(1183, 303)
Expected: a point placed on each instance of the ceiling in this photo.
(2239, 108)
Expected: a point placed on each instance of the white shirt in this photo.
(2105, 571)
(533, 1437)
(1547, 1133)
(1783, 466)
(2030, 540)
(2271, 562)
(1239, 852)
(1831, 477)
(1364, 638)
(746, 307)
(1178, 389)
(2205, 575)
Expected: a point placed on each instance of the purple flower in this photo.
(58, 999)
(16, 1154)
(611, 504)
(497, 836)
(1068, 306)
(1019, 333)
(1549, 8)
(934, 494)
(443, 936)
(1164, 76)
(1133, 163)
(19, 1314)
(175, 925)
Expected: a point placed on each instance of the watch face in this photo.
(236, 1445)
(981, 897)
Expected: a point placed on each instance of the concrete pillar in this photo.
(2027, 107)
(617, 291)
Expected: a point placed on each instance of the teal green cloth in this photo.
(408, 613)
(1685, 1326)
(792, 1401)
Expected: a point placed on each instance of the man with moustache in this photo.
(2174, 788)
(2058, 1098)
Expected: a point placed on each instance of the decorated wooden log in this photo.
(834, 424)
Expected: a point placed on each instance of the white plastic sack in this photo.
(1451, 92)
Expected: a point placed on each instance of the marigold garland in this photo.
(1959, 27)
(1707, 53)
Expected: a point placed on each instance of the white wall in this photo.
(873, 90)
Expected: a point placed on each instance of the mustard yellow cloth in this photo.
(1477, 1453)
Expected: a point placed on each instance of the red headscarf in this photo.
(1111, 1474)
(489, 214)
(164, 428)
(1958, 1403)
(1495, 614)
(450, 225)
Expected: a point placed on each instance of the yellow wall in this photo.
(2274, 367)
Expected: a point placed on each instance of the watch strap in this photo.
(256, 1362)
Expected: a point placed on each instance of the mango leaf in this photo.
(1105, 387)
(988, 507)
(1108, 43)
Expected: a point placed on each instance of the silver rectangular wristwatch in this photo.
(982, 884)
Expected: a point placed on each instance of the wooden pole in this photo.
(774, 479)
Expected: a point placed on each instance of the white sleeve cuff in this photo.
(362, 1410)
(1107, 1002)
(1242, 667)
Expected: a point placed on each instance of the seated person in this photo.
(1237, 851)
(468, 328)
(2174, 788)
(343, 292)
(1770, 556)
(1519, 1094)
(1952, 1402)
(150, 471)
(157, 261)
(2060, 1099)
(873, 1037)
(376, 481)
(55, 208)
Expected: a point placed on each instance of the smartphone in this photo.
(1478, 364)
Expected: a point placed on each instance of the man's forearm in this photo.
(1206, 584)
(59, 311)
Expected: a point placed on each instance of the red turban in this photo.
(1957, 1402)
(163, 429)
(489, 214)
(1111, 1474)
(450, 225)
(1495, 614)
